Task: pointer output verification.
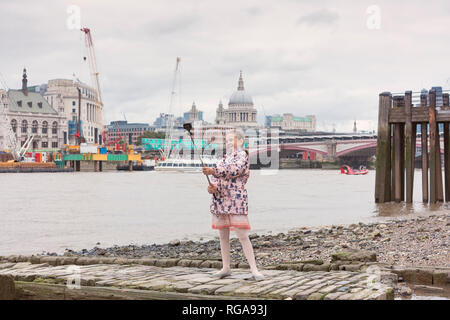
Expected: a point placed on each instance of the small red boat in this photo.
(348, 170)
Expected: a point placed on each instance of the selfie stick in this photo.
(188, 128)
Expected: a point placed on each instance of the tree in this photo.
(150, 135)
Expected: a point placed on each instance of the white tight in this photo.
(247, 247)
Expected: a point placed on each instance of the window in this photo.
(55, 144)
(54, 127)
(73, 110)
(44, 144)
(19, 103)
(34, 127)
(73, 103)
(30, 104)
(40, 105)
(14, 125)
(24, 126)
(44, 127)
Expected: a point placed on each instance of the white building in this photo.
(62, 95)
(290, 122)
(30, 114)
(241, 111)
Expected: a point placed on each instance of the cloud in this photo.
(323, 17)
(296, 56)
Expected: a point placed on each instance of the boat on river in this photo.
(185, 165)
(345, 169)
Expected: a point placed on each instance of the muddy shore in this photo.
(406, 241)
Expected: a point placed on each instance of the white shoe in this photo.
(221, 275)
(258, 277)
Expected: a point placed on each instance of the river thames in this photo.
(54, 211)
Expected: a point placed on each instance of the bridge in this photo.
(349, 148)
(326, 147)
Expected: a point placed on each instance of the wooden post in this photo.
(100, 166)
(409, 148)
(392, 163)
(402, 162)
(383, 165)
(424, 142)
(432, 124)
(439, 186)
(447, 161)
(397, 163)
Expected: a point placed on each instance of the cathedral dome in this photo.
(240, 97)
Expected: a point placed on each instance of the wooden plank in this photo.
(439, 186)
(397, 163)
(424, 141)
(392, 164)
(419, 115)
(383, 164)
(432, 125)
(447, 161)
(402, 162)
(409, 148)
(414, 141)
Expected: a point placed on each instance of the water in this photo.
(54, 211)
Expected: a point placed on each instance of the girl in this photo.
(230, 206)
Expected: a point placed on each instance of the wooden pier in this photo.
(398, 121)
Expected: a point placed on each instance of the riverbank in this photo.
(415, 241)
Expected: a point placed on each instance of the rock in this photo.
(314, 267)
(174, 243)
(253, 236)
(312, 261)
(405, 290)
(35, 259)
(7, 287)
(354, 255)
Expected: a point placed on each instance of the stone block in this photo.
(441, 278)
(7, 287)
(196, 263)
(184, 263)
(35, 259)
(149, 262)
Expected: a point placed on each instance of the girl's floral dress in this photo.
(230, 208)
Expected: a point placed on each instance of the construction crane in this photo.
(170, 120)
(94, 71)
(92, 62)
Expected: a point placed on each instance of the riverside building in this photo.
(30, 114)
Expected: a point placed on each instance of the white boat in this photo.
(185, 165)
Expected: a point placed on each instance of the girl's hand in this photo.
(207, 171)
(212, 189)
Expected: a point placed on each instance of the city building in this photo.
(290, 122)
(193, 114)
(130, 132)
(62, 95)
(163, 120)
(30, 114)
(240, 112)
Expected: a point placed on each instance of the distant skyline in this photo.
(299, 57)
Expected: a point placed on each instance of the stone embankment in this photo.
(140, 281)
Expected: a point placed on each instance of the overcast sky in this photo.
(303, 57)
